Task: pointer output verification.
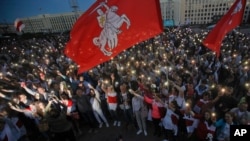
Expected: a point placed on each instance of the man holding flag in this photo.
(228, 22)
(109, 27)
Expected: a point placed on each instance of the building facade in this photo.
(49, 23)
(197, 12)
(174, 13)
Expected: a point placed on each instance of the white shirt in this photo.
(168, 122)
(136, 103)
(95, 101)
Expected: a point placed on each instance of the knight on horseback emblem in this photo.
(110, 22)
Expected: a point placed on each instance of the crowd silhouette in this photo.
(170, 81)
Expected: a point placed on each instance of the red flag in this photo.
(19, 25)
(110, 27)
(227, 23)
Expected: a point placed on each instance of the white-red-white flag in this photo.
(19, 25)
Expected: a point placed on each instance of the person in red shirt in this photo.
(156, 103)
(205, 130)
(204, 100)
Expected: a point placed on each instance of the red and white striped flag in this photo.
(19, 25)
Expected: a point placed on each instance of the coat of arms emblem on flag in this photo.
(110, 22)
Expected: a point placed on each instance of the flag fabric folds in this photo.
(18, 24)
(109, 27)
(228, 22)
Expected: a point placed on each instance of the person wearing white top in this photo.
(96, 105)
(140, 110)
(180, 97)
(170, 121)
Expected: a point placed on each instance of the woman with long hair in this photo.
(206, 129)
(96, 105)
(64, 89)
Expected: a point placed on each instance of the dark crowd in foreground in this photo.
(168, 88)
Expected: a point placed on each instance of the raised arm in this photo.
(104, 5)
(15, 108)
(4, 96)
(29, 91)
(97, 94)
(60, 74)
(47, 108)
(176, 86)
(135, 94)
(104, 89)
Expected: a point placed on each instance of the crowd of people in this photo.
(171, 81)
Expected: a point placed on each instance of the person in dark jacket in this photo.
(125, 104)
(85, 109)
(59, 126)
(225, 102)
